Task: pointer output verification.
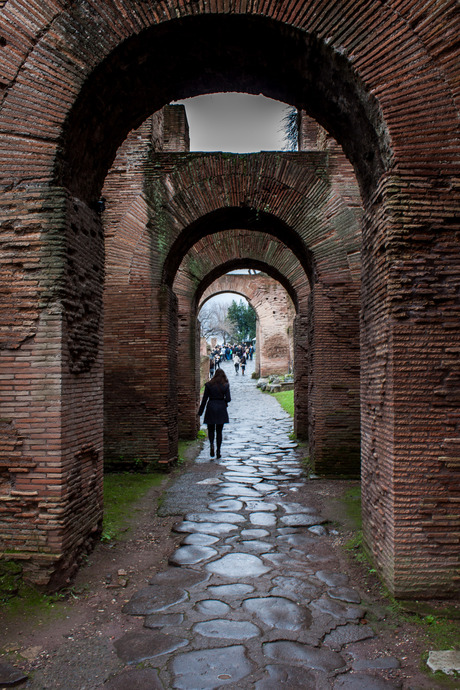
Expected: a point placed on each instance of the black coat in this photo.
(217, 397)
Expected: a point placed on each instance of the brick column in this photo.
(188, 371)
(51, 363)
(140, 375)
(410, 384)
(333, 379)
(301, 376)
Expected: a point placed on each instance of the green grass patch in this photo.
(286, 400)
(352, 501)
(121, 490)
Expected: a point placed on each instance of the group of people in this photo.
(216, 395)
(239, 353)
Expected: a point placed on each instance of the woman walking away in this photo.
(217, 396)
(236, 362)
(243, 363)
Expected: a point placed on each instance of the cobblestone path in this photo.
(253, 598)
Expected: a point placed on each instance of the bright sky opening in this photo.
(235, 122)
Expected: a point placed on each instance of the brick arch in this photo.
(207, 261)
(221, 252)
(332, 41)
(297, 198)
(405, 56)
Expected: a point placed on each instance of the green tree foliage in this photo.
(243, 318)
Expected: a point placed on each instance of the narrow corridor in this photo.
(258, 600)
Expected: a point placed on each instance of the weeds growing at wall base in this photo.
(121, 490)
(440, 626)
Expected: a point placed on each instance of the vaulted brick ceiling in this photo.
(215, 255)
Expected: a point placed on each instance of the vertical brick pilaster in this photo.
(301, 376)
(410, 348)
(333, 353)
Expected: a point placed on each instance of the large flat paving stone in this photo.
(306, 655)
(212, 607)
(227, 630)
(260, 506)
(179, 577)
(254, 533)
(332, 579)
(346, 634)
(210, 668)
(345, 594)
(257, 546)
(190, 555)
(225, 505)
(301, 520)
(135, 647)
(238, 491)
(230, 591)
(262, 519)
(217, 528)
(338, 610)
(213, 517)
(153, 599)
(279, 613)
(296, 508)
(299, 589)
(198, 539)
(237, 565)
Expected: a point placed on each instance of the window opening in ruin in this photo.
(238, 123)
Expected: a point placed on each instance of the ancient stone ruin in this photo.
(113, 232)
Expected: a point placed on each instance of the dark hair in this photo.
(219, 377)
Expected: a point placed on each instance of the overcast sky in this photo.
(235, 122)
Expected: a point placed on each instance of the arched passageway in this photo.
(275, 318)
(66, 107)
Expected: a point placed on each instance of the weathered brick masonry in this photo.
(383, 80)
(185, 199)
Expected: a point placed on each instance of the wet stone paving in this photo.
(252, 598)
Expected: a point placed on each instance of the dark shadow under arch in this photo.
(185, 57)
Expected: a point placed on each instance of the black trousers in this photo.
(218, 429)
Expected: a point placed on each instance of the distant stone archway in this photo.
(275, 314)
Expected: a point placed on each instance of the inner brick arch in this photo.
(248, 218)
(326, 342)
